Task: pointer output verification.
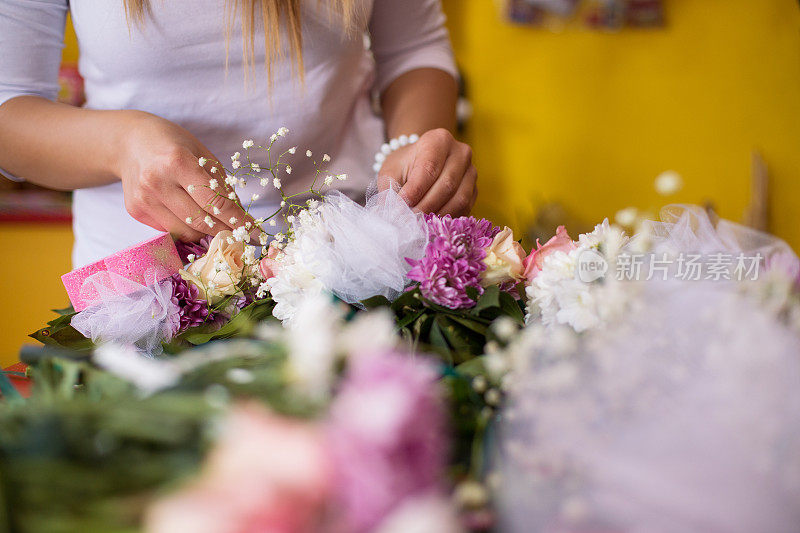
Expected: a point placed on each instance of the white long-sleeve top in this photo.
(174, 67)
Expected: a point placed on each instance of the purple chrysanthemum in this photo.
(453, 259)
(194, 310)
(198, 249)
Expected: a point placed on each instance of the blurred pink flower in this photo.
(266, 474)
(269, 264)
(387, 436)
(561, 241)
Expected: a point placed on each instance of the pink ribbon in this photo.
(143, 264)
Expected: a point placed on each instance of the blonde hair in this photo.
(274, 14)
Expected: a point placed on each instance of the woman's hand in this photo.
(164, 185)
(436, 174)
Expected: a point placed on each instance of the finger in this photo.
(186, 209)
(217, 204)
(430, 154)
(391, 173)
(447, 185)
(177, 227)
(462, 201)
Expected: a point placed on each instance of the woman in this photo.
(169, 81)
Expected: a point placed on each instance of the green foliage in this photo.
(456, 335)
(88, 452)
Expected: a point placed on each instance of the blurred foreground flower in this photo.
(387, 437)
(267, 473)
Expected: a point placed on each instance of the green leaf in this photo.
(376, 301)
(472, 293)
(241, 324)
(489, 299)
(511, 308)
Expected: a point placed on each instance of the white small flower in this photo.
(288, 169)
(240, 234)
(341, 177)
(283, 203)
(292, 150)
(668, 182)
(188, 220)
(190, 188)
(282, 131)
(328, 179)
(273, 138)
(216, 210)
(627, 216)
(231, 180)
(326, 158)
(308, 153)
(313, 204)
(263, 182)
(209, 222)
(248, 225)
(248, 144)
(258, 221)
(276, 183)
(232, 195)
(236, 164)
(202, 161)
(213, 184)
(255, 197)
(239, 375)
(262, 290)
(290, 219)
(279, 237)
(213, 170)
(272, 223)
(191, 258)
(236, 156)
(255, 167)
(233, 220)
(262, 239)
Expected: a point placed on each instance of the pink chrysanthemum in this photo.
(453, 259)
(387, 437)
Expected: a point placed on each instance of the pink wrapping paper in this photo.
(144, 263)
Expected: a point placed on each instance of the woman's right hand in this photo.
(164, 185)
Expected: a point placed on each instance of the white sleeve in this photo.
(408, 35)
(31, 39)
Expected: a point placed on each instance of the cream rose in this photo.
(503, 260)
(218, 273)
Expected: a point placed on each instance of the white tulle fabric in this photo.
(682, 415)
(690, 228)
(349, 250)
(128, 313)
(368, 246)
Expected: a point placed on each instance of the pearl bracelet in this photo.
(392, 146)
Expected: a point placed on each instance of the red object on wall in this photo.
(22, 384)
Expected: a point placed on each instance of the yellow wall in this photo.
(30, 281)
(589, 119)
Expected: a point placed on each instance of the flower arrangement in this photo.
(378, 370)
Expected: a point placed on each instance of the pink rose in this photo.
(266, 473)
(560, 242)
(503, 260)
(269, 266)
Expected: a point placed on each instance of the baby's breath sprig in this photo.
(227, 179)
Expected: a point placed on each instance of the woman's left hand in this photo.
(436, 174)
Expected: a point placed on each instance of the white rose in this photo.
(218, 273)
